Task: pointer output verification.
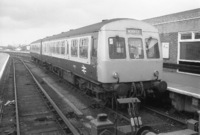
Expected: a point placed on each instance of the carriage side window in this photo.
(51, 47)
(152, 48)
(57, 47)
(38, 48)
(117, 47)
(54, 48)
(34, 48)
(74, 48)
(44, 47)
(135, 48)
(83, 48)
(63, 47)
(48, 48)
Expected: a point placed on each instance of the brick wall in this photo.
(172, 39)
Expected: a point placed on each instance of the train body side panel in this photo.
(80, 69)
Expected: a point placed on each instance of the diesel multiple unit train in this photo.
(120, 57)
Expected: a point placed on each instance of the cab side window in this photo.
(117, 47)
(152, 48)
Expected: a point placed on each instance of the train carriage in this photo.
(121, 56)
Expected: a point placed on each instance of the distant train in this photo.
(120, 57)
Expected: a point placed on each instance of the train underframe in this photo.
(109, 92)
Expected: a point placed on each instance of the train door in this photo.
(94, 52)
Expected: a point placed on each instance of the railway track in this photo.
(171, 123)
(160, 124)
(182, 122)
(95, 108)
(36, 112)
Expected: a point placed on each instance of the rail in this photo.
(16, 100)
(59, 112)
(164, 115)
(66, 121)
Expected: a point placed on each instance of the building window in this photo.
(190, 51)
(197, 35)
(186, 36)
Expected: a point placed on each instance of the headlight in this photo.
(156, 74)
(115, 75)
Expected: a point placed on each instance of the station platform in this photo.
(4, 57)
(181, 132)
(184, 91)
(184, 84)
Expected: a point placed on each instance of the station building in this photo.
(180, 39)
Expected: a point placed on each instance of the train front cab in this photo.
(129, 57)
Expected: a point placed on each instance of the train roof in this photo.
(37, 41)
(83, 30)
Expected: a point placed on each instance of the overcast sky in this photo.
(23, 21)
